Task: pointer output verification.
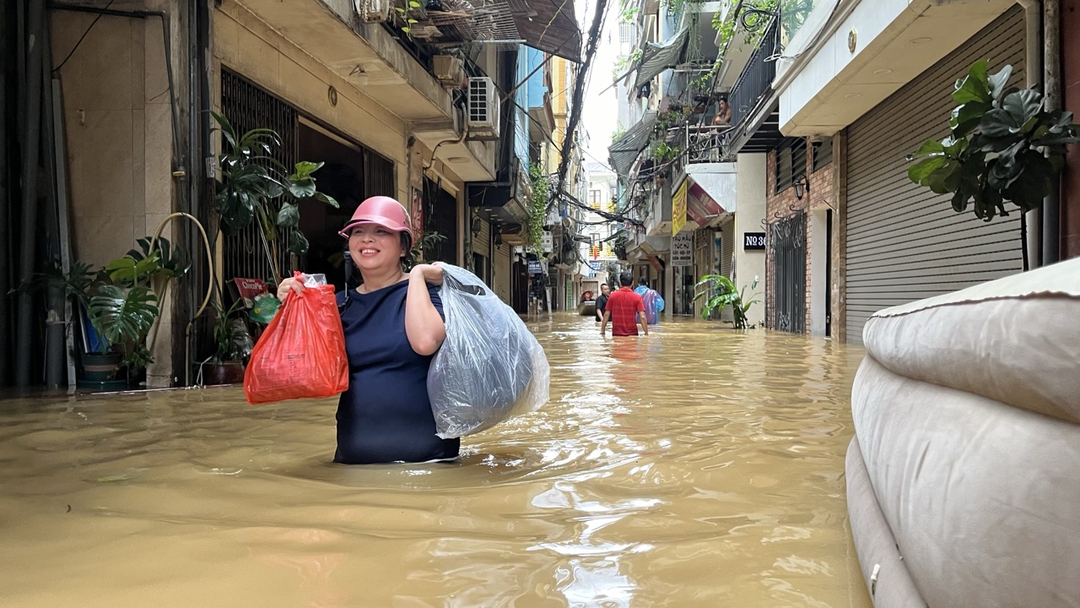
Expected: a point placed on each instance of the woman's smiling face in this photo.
(373, 246)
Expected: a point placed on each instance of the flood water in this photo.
(697, 466)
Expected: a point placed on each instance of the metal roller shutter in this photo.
(904, 242)
(481, 241)
(500, 280)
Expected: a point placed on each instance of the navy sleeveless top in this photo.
(385, 416)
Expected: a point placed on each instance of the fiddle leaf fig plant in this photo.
(1003, 146)
(255, 186)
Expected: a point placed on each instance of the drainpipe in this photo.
(1031, 221)
(5, 230)
(30, 152)
(1051, 229)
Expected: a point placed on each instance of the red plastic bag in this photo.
(301, 355)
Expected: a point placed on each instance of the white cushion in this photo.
(1015, 340)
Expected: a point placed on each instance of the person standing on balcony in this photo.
(624, 310)
(393, 326)
(601, 302)
(723, 113)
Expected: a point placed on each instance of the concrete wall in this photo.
(246, 45)
(119, 138)
(750, 210)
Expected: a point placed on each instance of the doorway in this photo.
(350, 174)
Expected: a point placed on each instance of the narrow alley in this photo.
(697, 466)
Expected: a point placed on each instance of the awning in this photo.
(625, 150)
(548, 25)
(709, 196)
(658, 57)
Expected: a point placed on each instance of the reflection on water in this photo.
(693, 467)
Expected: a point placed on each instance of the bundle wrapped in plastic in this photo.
(490, 367)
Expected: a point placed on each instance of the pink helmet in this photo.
(381, 210)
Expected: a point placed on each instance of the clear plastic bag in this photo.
(490, 367)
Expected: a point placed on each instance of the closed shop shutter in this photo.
(481, 241)
(904, 242)
(500, 281)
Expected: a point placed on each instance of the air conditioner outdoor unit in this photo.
(450, 71)
(483, 100)
(372, 11)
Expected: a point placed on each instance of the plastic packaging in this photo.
(301, 355)
(490, 367)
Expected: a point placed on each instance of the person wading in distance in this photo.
(625, 310)
(601, 302)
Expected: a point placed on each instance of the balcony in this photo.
(754, 110)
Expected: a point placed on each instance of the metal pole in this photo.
(30, 153)
(72, 315)
(1051, 210)
(54, 296)
(5, 207)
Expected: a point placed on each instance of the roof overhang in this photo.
(710, 193)
(625, 150)
(655, 58)
(548, 25)
(849, 63)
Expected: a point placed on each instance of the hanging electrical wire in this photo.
(579, 92)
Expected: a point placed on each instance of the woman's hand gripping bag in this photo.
(301, 355)
(490, 367)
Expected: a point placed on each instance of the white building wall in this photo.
(750, 180)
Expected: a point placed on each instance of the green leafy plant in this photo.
(426, 243)
(1002, 146)
(664, 153)
(541, 192)
(728, 27)
(123, 302)
(406, 13)
(231, 335)
(256, 187)
(719, 292)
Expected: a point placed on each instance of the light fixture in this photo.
(801, 185)
(921, 40)
(360, 73)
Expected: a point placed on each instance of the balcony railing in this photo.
(756, 78)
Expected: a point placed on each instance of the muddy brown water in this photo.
(697, 466)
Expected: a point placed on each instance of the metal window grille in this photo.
(248, 107)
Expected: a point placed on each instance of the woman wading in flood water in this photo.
(393, 326)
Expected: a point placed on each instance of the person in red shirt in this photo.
(625, 309)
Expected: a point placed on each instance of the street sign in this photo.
(535, 268)
(753, 240)
(682, 250)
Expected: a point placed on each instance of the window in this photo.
(822, 153)
(594, 199)
(790, 163)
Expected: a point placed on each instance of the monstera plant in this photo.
(255, 186)
(1003, 146)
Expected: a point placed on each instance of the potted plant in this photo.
(233, 344)
(256, 187)
(720, 292)
(125, 306)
